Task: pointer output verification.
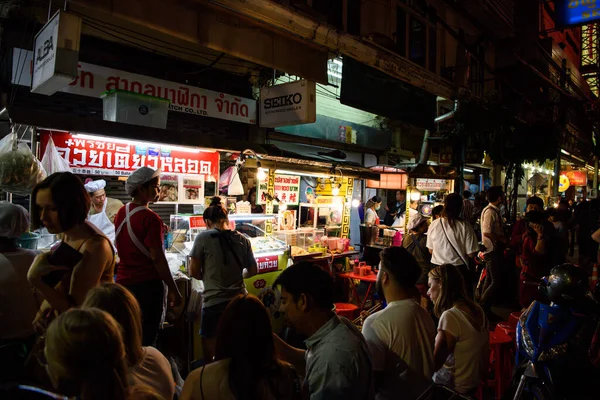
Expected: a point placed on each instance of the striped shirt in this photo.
(468, 208)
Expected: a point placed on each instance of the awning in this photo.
(271, 156)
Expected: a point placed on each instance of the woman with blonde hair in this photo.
(147, 365)
(85, 356)
(462, 343)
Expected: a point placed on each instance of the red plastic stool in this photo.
(346, 310)
(501, 356)
(513, 319)
(507, 329)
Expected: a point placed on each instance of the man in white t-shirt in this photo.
(492, 230)
(400, 337)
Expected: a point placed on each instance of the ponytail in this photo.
(215, 213)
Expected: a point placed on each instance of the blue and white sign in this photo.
(576, 12)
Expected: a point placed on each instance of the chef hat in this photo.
(139, 177)
(94, 186)
(14, 220)
(415, 221)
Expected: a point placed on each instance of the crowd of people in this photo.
(88, 331)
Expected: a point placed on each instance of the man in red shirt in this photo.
(143, 267)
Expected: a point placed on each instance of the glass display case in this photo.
(185, 228)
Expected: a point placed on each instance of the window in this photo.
(416, 33)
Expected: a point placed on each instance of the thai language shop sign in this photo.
(114, 157)
(93, 80)
(576, 12)
(287, 190)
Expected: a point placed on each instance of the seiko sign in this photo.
(288, 104)
(56, 54)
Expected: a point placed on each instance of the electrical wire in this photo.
(163, 53)
(152, 38)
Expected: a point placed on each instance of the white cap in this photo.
(415, 221)
(14, 220)
(94, 186)
(139, 177)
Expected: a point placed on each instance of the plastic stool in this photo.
(501, 356)
(346, 310)
(506, 328)
(513, 319)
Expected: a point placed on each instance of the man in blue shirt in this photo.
(337, 363)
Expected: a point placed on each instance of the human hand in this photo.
(40, 323)
(41, 267)
(538, 228)
(175, 298)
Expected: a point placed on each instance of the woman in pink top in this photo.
(147, 365)
(462, 343)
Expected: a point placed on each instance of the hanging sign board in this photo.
(287, 189)
(56, 54)
(563, 183)
(577, 178)
(576, 12)
(93, 80)
(292, 103)
(115, 157)
(431, 184)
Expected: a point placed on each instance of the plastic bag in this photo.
(20, 171)
(52, 161)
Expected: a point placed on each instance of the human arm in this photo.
(290, 354)
(540, 246)
(153, 241)
(375, 336)
(196, 268)
(162, 267)
(444, 346)
(97, 254)
(251, 267)
(488, 220)
(596, 236)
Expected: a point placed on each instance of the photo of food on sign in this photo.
(193, 189)
(169, 188)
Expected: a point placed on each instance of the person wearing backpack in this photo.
(222, 259)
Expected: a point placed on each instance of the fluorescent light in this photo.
(287, 172)
(337, 61)
(138, 143)
(261, 175)
(565, 152)
(268, 253)
(334, 74)
(467, 170)
(250, 217)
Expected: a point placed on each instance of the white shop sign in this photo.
(291, 103)
(92, 80)
(56, 54)
(431, 184)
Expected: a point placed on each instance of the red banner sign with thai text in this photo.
(267, 264)
(117, 157)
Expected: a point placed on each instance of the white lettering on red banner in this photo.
(92, 80)
(267, 264)
(102, 157)
(287, 190)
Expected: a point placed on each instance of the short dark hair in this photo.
(467, 194)
(401, 265)
(310, 279)
(437, 210)
(536, 201)
(69, 196)
(453, 206)
(494, 193)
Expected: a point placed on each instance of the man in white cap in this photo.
(143, 267)
(103, 209)
(18, 303)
